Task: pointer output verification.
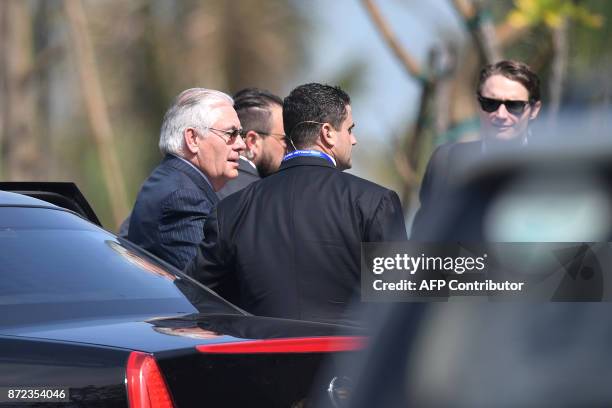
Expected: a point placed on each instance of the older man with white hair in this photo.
(201, 139)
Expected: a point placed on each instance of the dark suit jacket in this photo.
(247, 174)
(289, 245)
(170, 210)
(444, 171)
(450, 166)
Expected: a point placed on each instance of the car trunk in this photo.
(231, 380)
(276, 365)
(223, 360)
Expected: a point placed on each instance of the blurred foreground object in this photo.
(463, 354)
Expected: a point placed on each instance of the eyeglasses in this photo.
(281, 136)
(491, 105)
(231, 134)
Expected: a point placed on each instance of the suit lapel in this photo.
(195, 175)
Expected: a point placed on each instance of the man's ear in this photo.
(191, 140)
(253, 141)
(328, 135)
(535, 109)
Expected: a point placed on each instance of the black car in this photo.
(89, 319)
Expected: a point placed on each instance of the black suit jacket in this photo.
(247, 174)
(170, 210)
(450, 166)
(289, 245)
(447, 165)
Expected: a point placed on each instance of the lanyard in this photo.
(309, 153)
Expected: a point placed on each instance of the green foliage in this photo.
(589, 33)
(552, 13)
(592, 49)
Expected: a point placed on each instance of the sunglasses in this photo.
(491, 105)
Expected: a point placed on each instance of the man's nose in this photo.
(502, 112)
(239, 144)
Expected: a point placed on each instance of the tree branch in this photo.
(481, 29)
(407, 61)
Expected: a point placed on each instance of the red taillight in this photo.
(145, 384)
(293, 345)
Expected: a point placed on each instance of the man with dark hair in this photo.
(289, 245)
(261, 116)
(509, 98)
(332, 109)
(508, 94)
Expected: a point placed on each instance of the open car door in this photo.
(63, 194)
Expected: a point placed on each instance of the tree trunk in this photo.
(559, 70)
(19, 147)
(96, 108)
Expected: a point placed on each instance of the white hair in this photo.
(195, 108)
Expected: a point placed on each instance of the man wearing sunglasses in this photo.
(290, 245)
(508, 97)
(261, 116)
(201, 140)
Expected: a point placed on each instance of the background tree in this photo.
(20, 158)
(145, 52)
(447, 108)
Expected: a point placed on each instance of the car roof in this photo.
(19, 200)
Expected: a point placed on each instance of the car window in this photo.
(55, 265)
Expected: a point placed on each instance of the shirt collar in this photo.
(198, 170)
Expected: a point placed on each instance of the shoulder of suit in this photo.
(361, 183)
(457, 146)
(445, 151)
(355, 183)
(177, 176)
(342, 177)
(166, 180)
